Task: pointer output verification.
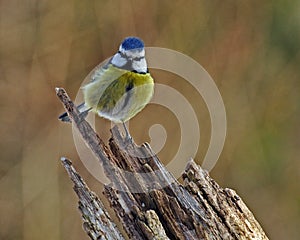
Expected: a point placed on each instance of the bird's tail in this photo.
(64, 117)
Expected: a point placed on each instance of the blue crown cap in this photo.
(131, 43)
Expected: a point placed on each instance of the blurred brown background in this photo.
(251, 49)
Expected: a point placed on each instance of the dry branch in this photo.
(96, 221)
(149, 202)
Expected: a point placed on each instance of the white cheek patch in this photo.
(139, 65)
(118, 60)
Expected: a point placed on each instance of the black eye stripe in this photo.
(125, 56)
(137, 58)
(122, 54)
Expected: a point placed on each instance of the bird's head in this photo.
(132, 47)
(131, 55)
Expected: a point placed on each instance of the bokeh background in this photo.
(250, 48)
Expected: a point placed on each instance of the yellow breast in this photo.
(118, 94)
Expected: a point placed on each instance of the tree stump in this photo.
(148, 201)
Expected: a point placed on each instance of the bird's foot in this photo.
(128, 139)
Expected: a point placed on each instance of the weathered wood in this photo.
(151, 204)
(224, 204)
(96, 221)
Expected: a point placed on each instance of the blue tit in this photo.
(122, 87)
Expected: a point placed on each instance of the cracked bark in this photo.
(148, 201)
